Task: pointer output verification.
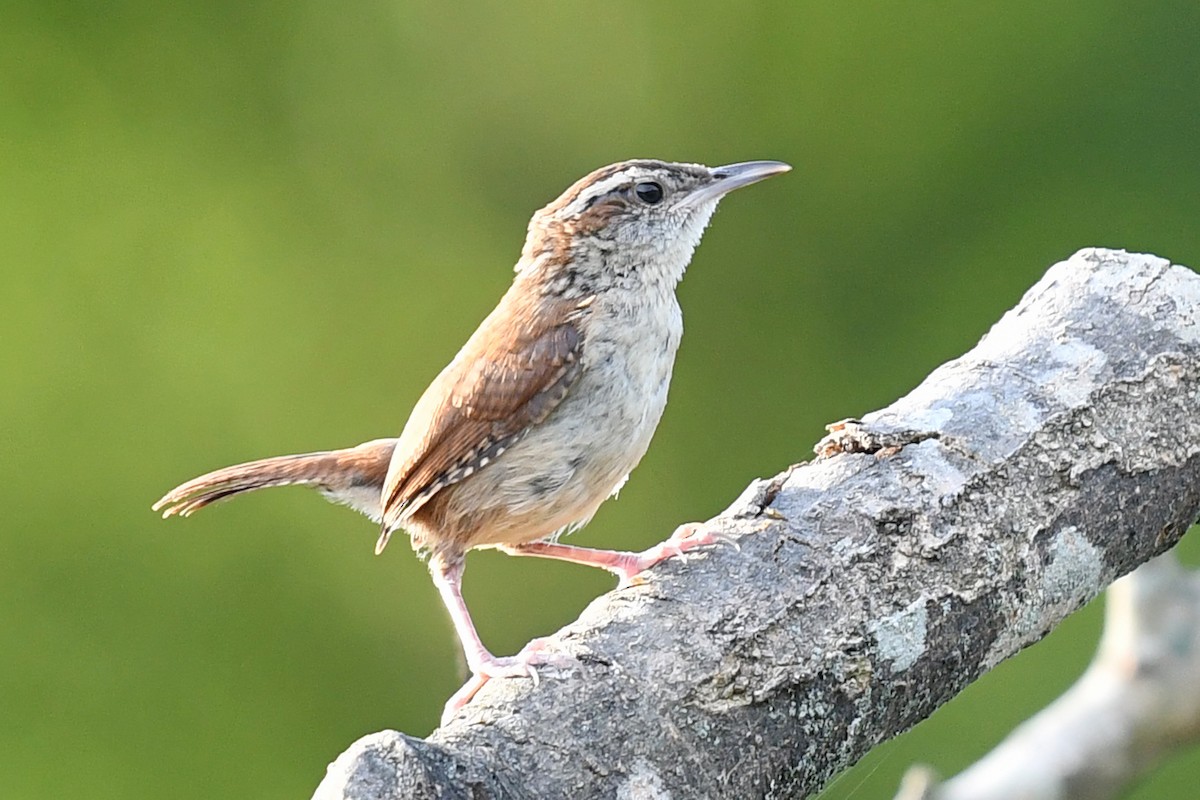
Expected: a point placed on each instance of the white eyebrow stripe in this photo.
(580, 203)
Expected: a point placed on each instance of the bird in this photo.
(547, 408)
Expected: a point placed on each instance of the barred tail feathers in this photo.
(353, 476)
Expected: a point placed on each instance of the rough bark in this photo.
(924, 545)
(1138, 703)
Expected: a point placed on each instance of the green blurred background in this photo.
(235, 229)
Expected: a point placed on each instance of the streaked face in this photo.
(650, 212)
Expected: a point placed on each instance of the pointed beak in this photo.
(735, 176)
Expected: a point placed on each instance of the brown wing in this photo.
(512, 373)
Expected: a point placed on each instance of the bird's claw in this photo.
(687, 537)
(691, 535)
(522, 665)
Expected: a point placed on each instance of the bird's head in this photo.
(635, 220)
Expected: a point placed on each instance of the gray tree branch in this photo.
(927, 543)
(1138, 702)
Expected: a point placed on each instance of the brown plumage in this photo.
(516, 369)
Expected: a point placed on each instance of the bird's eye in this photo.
(649, 193)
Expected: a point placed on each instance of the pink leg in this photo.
(623, 565)
(447, 577)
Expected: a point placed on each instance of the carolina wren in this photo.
(547, 407)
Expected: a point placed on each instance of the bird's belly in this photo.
(563, 469)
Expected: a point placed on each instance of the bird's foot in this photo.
(687, 537)
(523, 665)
